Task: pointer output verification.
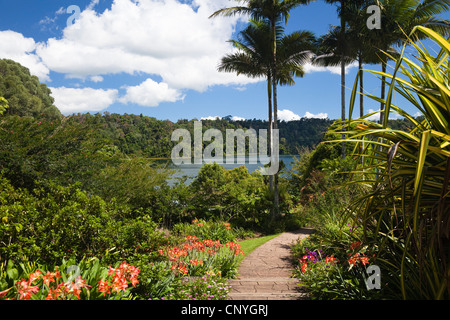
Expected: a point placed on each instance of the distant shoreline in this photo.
(162, 158)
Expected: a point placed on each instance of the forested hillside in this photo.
(25, 95)
(149, 137)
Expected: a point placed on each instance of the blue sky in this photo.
(159, 58)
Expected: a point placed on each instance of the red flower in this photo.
(104, 286)
(196, 262)
(48, 278)
(304, 266)
(355, 245)
(3, 293)
(330, 259)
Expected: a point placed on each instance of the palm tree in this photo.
(274, 12)
(343, 43)
(399, 18)
(362, 41)
(253, 59)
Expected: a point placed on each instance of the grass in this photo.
(249, 245)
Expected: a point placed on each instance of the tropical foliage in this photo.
(399, 221)
(87, 212)
(407, 211)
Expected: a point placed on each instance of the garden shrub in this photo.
(71, 280)
(54, 222)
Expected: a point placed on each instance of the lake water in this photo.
(191, 170)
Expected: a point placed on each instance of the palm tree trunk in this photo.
(343, 76)
(361, 87)
(269, 97)
(275, 114)
(361, 100)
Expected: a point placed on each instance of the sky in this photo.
(159, 58)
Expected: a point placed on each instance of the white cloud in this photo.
(150, 94)
(211, 118)
(287, 115)
(71, 100)
(22, 50)
(172, 39)
(374, 117)
(320, 115)
(96, 78)
(309, 68)
(61, 10)
(92, 4)
(236, 118)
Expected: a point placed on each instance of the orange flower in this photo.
(3, 293)
(353, 259)
(25, 290)
(180, 268)
(119, 283)
(48, 278)
(34, 276)
(199, 246)
(233, 245)
(57, 274)
(330, 259)
(189, 238)
(53, 294)
(304, 266)
(104, 286)
(208, 243)
(364, 260)
(358, 257)
(196, 262)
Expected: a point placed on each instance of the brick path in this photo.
(266, 273)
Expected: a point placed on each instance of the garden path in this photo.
(266, 273)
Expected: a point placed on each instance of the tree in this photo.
(25, 94)
(274, 12)
(362, 40)
(399, 18)
(254, 58)
(343, 43)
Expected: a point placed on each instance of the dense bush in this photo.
(230, 195)
(50, 223)
(215, 230)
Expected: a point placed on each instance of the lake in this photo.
(191, 170)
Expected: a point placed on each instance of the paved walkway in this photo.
(266, 273)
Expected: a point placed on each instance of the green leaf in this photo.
(13, 273)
